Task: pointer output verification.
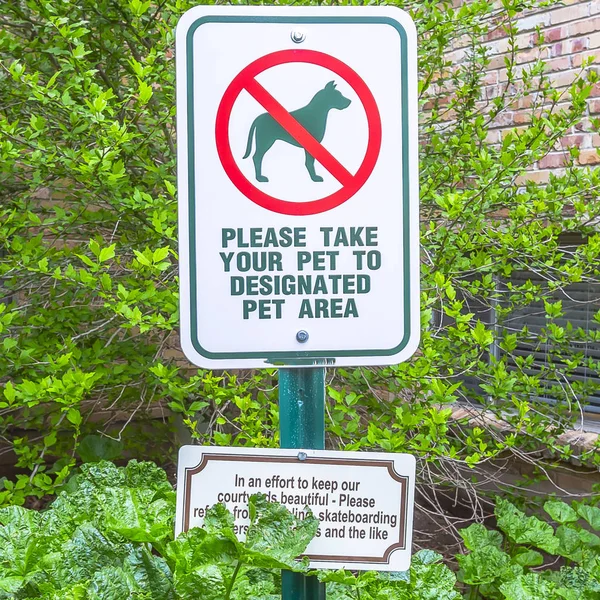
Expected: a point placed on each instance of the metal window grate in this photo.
(580, 301)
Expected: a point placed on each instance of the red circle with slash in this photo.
(246, 80)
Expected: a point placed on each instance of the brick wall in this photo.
(565, 35)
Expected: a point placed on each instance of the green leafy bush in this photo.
(511, 567)
(109, 536)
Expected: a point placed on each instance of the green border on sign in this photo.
(300, 356)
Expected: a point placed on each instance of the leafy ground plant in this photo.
(511, 567)
(88, 259)
(109, 536)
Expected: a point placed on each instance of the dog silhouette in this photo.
(265, 130)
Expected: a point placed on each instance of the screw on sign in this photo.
(304, 127)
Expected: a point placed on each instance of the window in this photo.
(551, 356)
(567, 367)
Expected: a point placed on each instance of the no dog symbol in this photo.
(304, 127)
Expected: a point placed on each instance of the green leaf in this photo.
(9, 392)
(160, 254)
(107, 253)
(527, 587)
(21, 545)
(87, 260)
(205, 581)
(145, 92)
(560, 511)
(95, 248)
(429, 579)
(483, 566)
(522, 529)
(481, 335)
(11, 586)
(87, 552)
(171, 189)
(94, 448)
(142, 259)
(591, 514)
(74, 416)
(131, 513)
(275, 536)
(108, 582)
(570, 544)
(9, 343)
(477, 536)
(106, 282)
(528, 558)
(79, 51)
(99, 104)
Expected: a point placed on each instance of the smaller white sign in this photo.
(364, 501)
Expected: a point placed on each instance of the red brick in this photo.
(579, 44)
(583, 125)
(595, 93)
(448, 115)
(493, 91)
(594, 107)
(529, 55)
(496, 62)
(534, 21)
(490, 78)
(496, 34)
(525, 102)
(462, 42)
(534, 176)
(594, 40)
(553, 161)
(584, 26)
(555, 34)
(578, 140)
(517, 74)
(589, 157)
(558, 64)
(512, 130)
(493, 136)
(577, 59)
(570, 13)
(563, 79)
(443, 100)
(521, 118)
(502, 46)
(504, 119)
(457, 56)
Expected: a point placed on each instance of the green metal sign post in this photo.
(302, 425)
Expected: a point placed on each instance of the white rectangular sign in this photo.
(364, 501)
(298, 185)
